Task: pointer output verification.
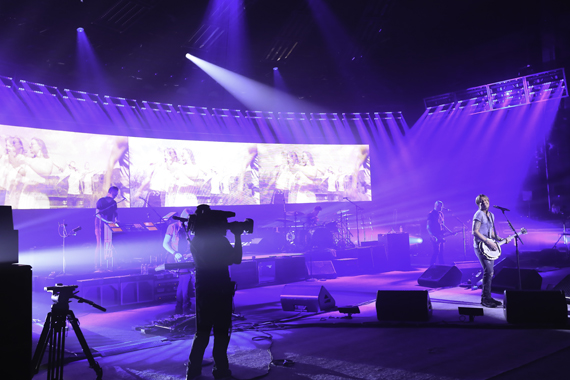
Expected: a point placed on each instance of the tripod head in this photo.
(62, 294)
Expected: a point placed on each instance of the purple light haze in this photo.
(88, 66)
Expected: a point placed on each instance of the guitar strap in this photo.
(493, 221)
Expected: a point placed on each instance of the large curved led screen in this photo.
(42, 169)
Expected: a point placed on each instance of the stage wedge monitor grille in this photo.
(306, 298)
(403, 305)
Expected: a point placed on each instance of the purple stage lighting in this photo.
(80, 30)
(275, 68)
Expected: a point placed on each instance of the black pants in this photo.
(488, 271)
(437, 253)
(213, 310)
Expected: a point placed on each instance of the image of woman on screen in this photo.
(16, 160)
(306, 182)
(187, 180)
(158, 181)
(329, 180)
(281, 177)
(244, 183)
(34, 175)
(360, 187)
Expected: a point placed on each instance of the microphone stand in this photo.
(153, 209)
(464, 238)
(517, 238)
(356, 207)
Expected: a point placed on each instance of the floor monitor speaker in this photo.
(507, 279)
(306, 298)
(439, 276)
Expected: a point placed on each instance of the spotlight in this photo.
(275, 68)
(80, 30)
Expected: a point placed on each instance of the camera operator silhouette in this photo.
(212, 254)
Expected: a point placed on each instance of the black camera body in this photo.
(217, 220)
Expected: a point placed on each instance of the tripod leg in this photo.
(42, 345)
(56, 346)
(92, 363)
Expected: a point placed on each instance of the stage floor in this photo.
(324, 345)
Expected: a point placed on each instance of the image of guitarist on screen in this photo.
(485, 234)
(437, 229)
(177, 245)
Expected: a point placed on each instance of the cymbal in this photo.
(294, 213)
(342, 211)
(285, 220)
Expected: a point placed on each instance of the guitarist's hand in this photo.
(491, 245)
(509, 239)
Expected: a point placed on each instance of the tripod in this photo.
(53, 333)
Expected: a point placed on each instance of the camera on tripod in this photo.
(61, 292)
(208, 220)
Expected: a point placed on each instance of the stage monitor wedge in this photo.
(306, 298)
(439, 276)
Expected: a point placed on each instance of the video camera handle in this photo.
(83, 300)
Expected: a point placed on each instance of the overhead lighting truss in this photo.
(505, 94)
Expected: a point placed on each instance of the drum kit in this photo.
(303, 234)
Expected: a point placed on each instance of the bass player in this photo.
(437, 230)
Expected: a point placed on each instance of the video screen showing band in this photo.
(167, 173)
(314, 173)
(43, 169)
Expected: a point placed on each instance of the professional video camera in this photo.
(206, 219)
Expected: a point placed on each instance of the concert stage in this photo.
(325, 344)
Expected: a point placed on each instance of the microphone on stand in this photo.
(502, 208)
(446, 209)
(179, 218)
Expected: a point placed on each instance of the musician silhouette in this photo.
(177, 244)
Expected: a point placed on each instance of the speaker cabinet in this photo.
(438, 276)
(397, 250)
(507, 279)
(306, 298)
(536, 306)
(16, 300)
(403, 305)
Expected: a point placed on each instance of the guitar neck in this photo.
(510, 237)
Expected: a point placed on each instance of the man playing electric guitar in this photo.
(484, 233)
(176, 243)
(437, 231)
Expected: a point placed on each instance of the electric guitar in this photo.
(493, 255)
(171, 259)
(441, 238)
